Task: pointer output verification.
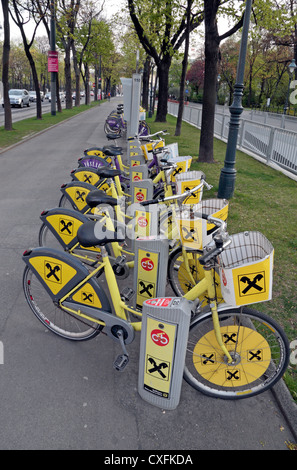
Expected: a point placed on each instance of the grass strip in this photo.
(264, 200)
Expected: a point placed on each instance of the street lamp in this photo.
(228, 173)
(292, 66)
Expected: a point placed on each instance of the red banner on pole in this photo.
(52, 61)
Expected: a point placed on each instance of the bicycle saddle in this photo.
(95, 233)
(112, 151)
(96, 197)
(113, 136)
(108, 172)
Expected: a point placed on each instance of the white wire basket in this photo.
(246, 269)
(189, 180)
(195, 232)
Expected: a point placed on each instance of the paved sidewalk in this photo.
(59, 395)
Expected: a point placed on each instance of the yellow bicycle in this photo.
(233, 351)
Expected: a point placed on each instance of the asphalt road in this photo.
(56, 394)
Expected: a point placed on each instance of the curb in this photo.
(286, 405)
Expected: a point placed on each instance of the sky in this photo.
(110, 8)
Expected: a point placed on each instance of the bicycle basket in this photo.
(147, 149)
(195, 232)
(246, 269)
(188, 180)
(215, 207)
(183, 164)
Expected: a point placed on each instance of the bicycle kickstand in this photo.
(123, 359)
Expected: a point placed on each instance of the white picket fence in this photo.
(272, 144)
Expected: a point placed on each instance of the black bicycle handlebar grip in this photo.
(204, 259)
(148, 202)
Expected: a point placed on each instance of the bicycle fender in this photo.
(59, 273)
(64, 224)
(92, 161)
(86, 175)
(76, 192)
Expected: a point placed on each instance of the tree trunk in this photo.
(5, 67)
(210, 82)
(68, 77)
(146, 83)
(163, 73)
(183, 74)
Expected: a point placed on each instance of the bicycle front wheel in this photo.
(258, 347)
(53, 317)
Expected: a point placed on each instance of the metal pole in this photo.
(228, 173)
(53, 48)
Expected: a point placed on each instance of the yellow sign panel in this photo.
(187, 186)
(54, 272)
(251, 350)
(251, 283)
(191, 233)
(160, 345)
(86, 295)
(137, 175)
(142, 223)
(78, 196)
(87, 176)
(65, 226)
(140, 194)
(220, 214)
(135, 162)
(147, 276)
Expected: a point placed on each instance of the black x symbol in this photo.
(233, 375)
(177, 171)
(252, 283)
(65, 226)
(80, 195)
(146, 289)
(255, 355)
(189, 233)
(157, 368)
(229, 338)
(208, 359)
(52, 271)
(87, 178)
(87, 297)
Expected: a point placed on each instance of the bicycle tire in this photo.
(257, 344)
(53, 317)
(178, 277)
(47, 238)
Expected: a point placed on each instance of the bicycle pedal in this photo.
(127, 294)
(121, 362)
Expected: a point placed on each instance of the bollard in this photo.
(163, 342)
(149, 281)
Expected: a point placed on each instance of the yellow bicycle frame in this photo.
(121, 309)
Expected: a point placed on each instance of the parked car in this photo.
(18, 98)
(62, 97)
(33, 96)
(47, 95)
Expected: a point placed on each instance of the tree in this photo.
(5, 69)
(22, 13)
(195, 75)
(212, 52)
(66, 17)
(184, 69)
(161, 28)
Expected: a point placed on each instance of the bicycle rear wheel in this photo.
(53, 317)
(256, 343)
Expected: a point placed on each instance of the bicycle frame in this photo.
(122, 310)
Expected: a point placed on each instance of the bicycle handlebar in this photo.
(177, 196)
(148, 137)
